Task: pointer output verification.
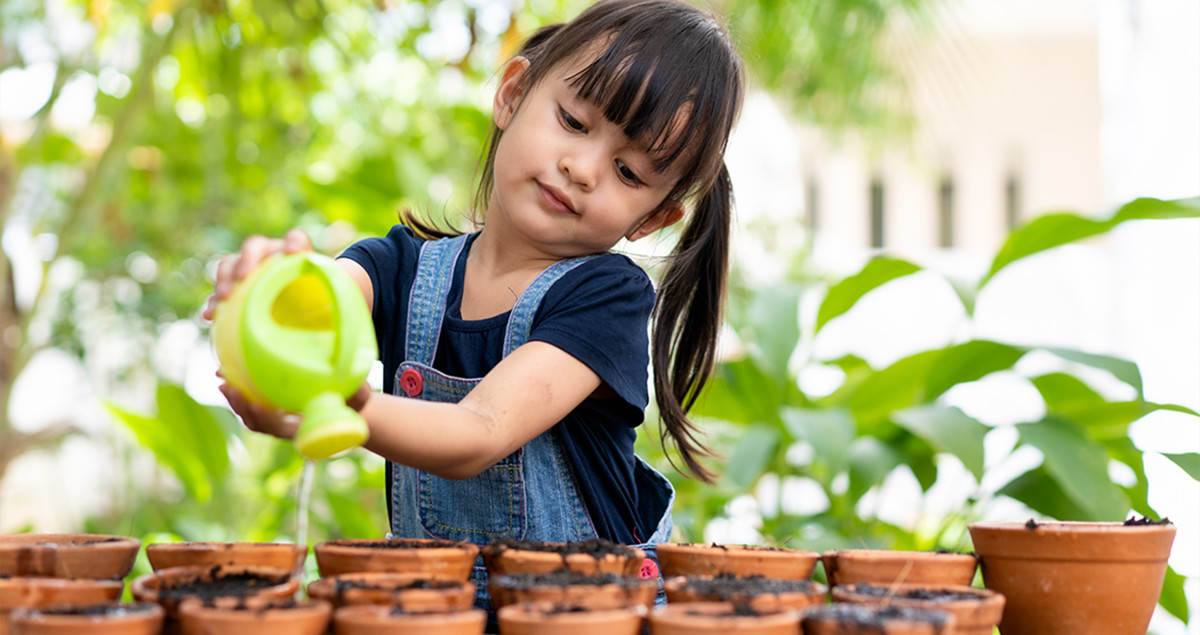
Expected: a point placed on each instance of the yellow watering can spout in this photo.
(296, 334)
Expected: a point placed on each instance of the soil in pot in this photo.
(434, 559)
(170, 587)
(975, 611)
(602, 591)
(376, 619)
(409, 591)
(868, 619)
(37, 593)
(282, 555)
(592, 556)
(253, 616)
(550, 618)
(764, 594)
(88, 556)
(882, 566)
(1072, 578)
(703, 618)
(687, 559)
(107, 618)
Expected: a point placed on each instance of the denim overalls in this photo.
(530, 494)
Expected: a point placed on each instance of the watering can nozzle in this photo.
(329, 426)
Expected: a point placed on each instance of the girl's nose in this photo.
(580, 168)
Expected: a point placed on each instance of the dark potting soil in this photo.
(873, 615)
(259, 607)
(739, 547)
(738, 609)
(341, 586)
(926, 595)
(396, 543)
(221, 585)
(562, 578)
(727, 585)
(1135, 521)
(595, 547)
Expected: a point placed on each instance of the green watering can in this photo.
(296, 334)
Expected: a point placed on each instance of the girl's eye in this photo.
(570, 122)
(627, 174)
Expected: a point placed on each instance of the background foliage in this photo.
(171, 129)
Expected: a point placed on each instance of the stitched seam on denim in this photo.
(568, 480)
(506, 530)
(427, 298)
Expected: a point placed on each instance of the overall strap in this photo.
(427, 299)
(521, 318)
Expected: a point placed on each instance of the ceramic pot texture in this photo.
(702, 618)
(282, 555)
(500, 559)
(975, 611)
(866, 619)
(89, 556)
(617, 592)
(36, 593)
(411, 592)
(434, 559)
(881, 566)
(548, 618)
(1072, 578)
(764, 598)
(676, 559)
(375, 619)
(170, 587)
(110, 618)
(254, 616)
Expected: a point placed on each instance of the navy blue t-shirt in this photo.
(597, 313)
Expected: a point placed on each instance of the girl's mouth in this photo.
(555, 198)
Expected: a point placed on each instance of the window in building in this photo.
(946, 212)
(1012, 201)
(877, 213)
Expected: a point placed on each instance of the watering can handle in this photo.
(343, 356)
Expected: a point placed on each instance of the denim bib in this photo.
(530, 494)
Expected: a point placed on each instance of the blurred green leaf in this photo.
(741, 392)
(751, 455)
(893, 388)
(948, 430)
(1189, 462)
(1122, 369)
(1041, 492)
(1174, 597)
(843, 295)
(871, 460)
(968, 362)
(828, 431)
(776, 326)
(1079, 465)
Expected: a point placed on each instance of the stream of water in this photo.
(303, 496)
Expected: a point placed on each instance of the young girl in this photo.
(516, 357)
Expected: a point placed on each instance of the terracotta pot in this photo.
(281, 555)
(376, 619)
(170, 587)
(254, 616)
(435, 559)
(91, 556)
(1074, 577)
(881, 566)
(700, 618)
(549, 618)
(409, 591)
(975, 611)
(867, 619)
(764, 594)
(109, 618)
(675, 559)
(603, 591)
(588, 557)
(40, 593)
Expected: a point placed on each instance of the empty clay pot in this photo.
(40, 593)
(411, 592)
(170, 587)
(677, 559)
(1072, 578)
(90, 556)
(254, 616)
(376, 619)
(434, 559)
(764, 594)
(603, 591)
(703, 618)
(281, 555)
(868, 619)
(550, 618)
(881, 566)
(975, 611)
(108, 618)
(588, 557)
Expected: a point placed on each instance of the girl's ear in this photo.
(509, 92)
(664, 216)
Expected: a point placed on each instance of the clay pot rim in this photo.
(542, 611)
(757, 550)
(55, 554)
(628, 582)
(42, 581)
(689, 613)
(374, 613)
(134, 612)
(1071, 527)
(363, 545)
(897, 554)
(257, 605)
(827, 614)
(676, 583)
(399, 577)
(11, 541)
(147, 587)
(983, 595)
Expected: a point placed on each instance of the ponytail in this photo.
(687, 320)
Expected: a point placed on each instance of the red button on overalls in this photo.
(649, 569)
(411, 382)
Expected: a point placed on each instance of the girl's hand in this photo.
(235, 267)
(272, 421)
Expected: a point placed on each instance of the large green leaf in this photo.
(828, 431)
(1079, 465)
(1039, 491)
(843, 295)
(893, 388)
(1122, 369)
(871, 460)
(1064, 392)
(773, 316)
(156, 437)
(947, 429)
(968, 362)
(752, 455)
(1173, 598)
(1189, 462)
(740, 391)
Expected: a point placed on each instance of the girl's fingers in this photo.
(296, 241)
(254, 250)
(234, 268)
(262, 419)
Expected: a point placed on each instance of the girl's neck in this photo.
(497, 272)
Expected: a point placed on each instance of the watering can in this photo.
(296, 334)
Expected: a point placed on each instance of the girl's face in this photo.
(567, 180)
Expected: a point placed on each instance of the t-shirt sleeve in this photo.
(599, 313)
